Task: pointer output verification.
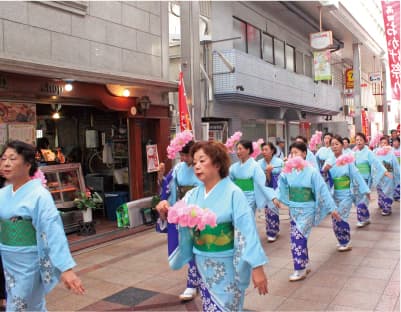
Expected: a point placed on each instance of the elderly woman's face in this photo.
(242, 152)
(13, 165)
(204, 168)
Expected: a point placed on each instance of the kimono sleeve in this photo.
(52, 242)
(396, 170)
(283, 194)
(248, 251)
(324, 203)
(377, 170)
(358, 182)
(263, 194)
(173, 187)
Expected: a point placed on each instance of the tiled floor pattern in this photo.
(132, 273)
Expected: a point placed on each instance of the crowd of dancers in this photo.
(311, 184)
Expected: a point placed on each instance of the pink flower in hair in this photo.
(297, 163)
(256, 148)
(345, 159)
(232, 141)
(39, 175)
(177, 144)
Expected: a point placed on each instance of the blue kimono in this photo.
(223, 274)
(183, 178)
(396, 195)
(271, 212)
(372, 170)
(251, 179)
(347, 182)
(386, 187)
(309, 202)
(310, 157)
(32, 263)
(322, 155)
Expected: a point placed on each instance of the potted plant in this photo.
(86, 201)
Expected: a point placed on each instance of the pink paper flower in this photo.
(256, 148)
(375, 140)
(191, 216)
(345, 159)
(232, 141)
(397, 153)
(383, 151)
(177, 144)
(297, 163)
(39, 175)
(315, 140)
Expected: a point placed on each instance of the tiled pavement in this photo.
(132, 274)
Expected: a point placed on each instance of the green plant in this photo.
(87, 200)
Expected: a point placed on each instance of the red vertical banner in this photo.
(185, 121)
(391, 16)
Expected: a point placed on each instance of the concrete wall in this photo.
(110, 36)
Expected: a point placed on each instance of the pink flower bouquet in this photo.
(39, 175)
(232, 141)
(256, 148)
(178, 143)
(315, 140)
(345, 159)
(375, 140)
(191, 216)
(297, 163)
(397, 153)
(383, 151)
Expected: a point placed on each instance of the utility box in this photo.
(134, 210)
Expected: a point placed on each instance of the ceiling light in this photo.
(126, 93)
(68, 87)
(56, 115)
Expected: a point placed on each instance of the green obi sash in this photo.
(18, 233)
(388, 166)
(342, 183)
(182, 190)
(301, 194)
(245, 184)
(398, 159)
(363, 168)
(219, 238)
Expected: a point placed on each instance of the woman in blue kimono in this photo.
(227, 255)
(271, 165)
(249, 177)
(372, 170)
(396, 150)
(34, 247)
(347, 181)
(310, 157)
(346, 149)
(309, 202)
(386, 187)
(183, 179)
(325, 151)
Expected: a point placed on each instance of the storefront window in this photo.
(253, 39)
(279, 59)
(239, 31)
(299, 62)
(289, 57)
(268, 48)
(308, 65)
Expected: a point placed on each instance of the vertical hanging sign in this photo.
(391, 16)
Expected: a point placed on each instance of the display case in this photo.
(64, 183)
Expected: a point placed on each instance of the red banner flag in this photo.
(185, 121)
(391, 16)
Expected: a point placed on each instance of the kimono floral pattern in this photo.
(272, 223)
(342, 231)
(192, 277)
(207, 302)
(384, 201)
(219, 271)
(10, 280)
(20, 304)
(45, 265)
(299, 248)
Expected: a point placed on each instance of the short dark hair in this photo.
(393, 130)
(328, 133)
(396, 139)
(247, 145)
(301, 146)
(362, 135)
(27, 151)
(271, 145)
(217, 152)
(339, 138)
(305, 140)
(187, 147)
(346, 139)
(385, 137)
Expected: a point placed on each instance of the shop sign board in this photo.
(152, 158)
(349, 78)
(321, 64)
(321, 40)
(375, 77)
